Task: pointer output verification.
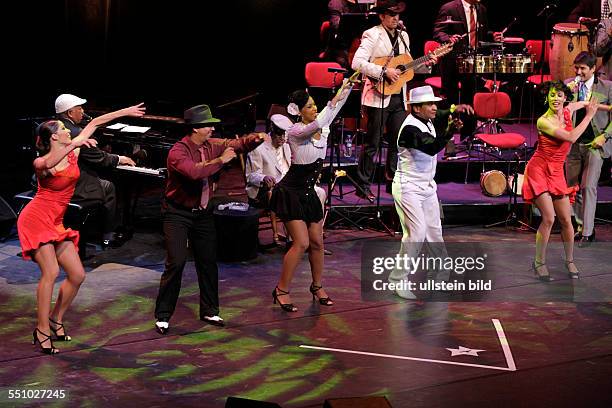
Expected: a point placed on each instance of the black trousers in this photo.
(392, 116)
(109, 202)
(198, 227)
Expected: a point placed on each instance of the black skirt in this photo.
(294, 197)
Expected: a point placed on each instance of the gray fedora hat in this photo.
(199, 116)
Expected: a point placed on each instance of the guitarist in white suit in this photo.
(383, 40)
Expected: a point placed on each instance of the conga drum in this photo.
(568, 39)
(493, 183)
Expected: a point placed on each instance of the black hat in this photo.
(199, 115)
(394, 6)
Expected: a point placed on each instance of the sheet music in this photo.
(135, 129)
(116, 126)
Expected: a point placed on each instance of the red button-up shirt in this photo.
(184, 184)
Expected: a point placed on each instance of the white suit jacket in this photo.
(262, 162)
(375, 43)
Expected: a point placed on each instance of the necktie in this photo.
(582, 92)
(472, 27)
(605, 8)
(205, 192)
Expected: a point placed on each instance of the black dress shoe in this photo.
(162, 327)
(215, 320)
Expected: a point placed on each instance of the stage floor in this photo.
(519, 353)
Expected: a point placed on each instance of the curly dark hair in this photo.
(299, 97)
(559, 86)
(43, 135)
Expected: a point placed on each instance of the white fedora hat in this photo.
(422, 94)
(67, 101)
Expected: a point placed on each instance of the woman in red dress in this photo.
(42, 234)
(544, 184)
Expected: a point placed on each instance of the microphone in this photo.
(401, 26)
(86, 118)
(546, 8)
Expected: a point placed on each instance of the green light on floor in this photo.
(180, 371)
(117, 375)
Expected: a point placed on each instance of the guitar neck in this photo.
(414, 63)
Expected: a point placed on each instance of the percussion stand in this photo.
(512, 220)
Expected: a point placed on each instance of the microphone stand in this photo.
(381, 133)
(547, 12)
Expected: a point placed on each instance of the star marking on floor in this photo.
(464, 351)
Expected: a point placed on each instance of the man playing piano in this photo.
(187, 213)
(91, 188)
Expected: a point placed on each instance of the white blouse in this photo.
(305, 149)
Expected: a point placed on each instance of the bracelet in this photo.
(453, 108)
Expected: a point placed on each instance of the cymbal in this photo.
(450, 22)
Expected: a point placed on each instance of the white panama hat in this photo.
(422, 94)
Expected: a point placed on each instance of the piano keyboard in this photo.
(142, 170)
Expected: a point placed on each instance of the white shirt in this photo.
(466, 8)
(305, 149)
(282, 161)
(589, 86)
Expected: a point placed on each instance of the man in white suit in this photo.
(267, 165)
(386, 39)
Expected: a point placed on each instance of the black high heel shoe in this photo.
(47, 350)
(60, 326)
(287, 307)
(326, 301)
(543, 278)
(573, 275)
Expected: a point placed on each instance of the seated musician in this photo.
(267, 165)
(91, 188)
(456, 18)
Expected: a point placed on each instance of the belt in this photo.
(184, 208)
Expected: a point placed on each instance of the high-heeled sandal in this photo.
(573, 275)
(47, 350)
(60, 326)
(326, 301)
(543, 278)
(287, 307)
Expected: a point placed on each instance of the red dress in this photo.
(41, 221)
(545, 169)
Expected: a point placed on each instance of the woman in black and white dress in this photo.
(294, 199)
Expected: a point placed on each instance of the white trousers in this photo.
(419, 213)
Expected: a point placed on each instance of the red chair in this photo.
(491, 107)
(323, 34)
(317, 75)
(534, 48)
(434, 81)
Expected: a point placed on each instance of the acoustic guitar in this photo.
(406, 65)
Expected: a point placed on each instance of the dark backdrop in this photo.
(174, 54)
(117, 51)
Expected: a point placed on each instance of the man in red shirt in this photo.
(187, 213)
